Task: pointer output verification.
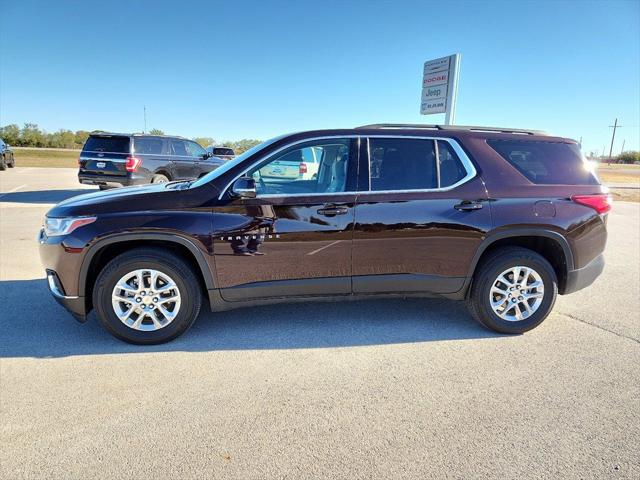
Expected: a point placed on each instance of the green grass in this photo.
(45, 157)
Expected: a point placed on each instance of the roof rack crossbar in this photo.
(374, 126)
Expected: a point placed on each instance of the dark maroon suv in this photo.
(503, 219)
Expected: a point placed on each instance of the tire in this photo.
(168, 266)
(159, 178)
(488, 273)
(13, 163)
(3, 163)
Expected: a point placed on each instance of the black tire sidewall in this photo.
(481, 293)
(177, 270)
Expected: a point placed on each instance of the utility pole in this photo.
(622, 149)
(580, 143)
(145, 119)
(615, 126)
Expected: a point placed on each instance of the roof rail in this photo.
(452, 128)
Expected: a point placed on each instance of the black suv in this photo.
(111, 159)
(503, 219)
(224, 153)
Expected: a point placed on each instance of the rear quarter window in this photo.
(107, 144)
(546, 163)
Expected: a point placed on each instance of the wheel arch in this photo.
(550, 244)
(104, 250)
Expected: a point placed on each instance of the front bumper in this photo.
(74, 304)
(585, 276)
(62, 265)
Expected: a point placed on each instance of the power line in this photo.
(615, 126)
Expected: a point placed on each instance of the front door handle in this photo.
(332, 210)
(467, 206)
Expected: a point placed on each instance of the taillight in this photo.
(303, 168)
(600, 203)
(132, 164)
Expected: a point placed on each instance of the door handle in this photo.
(332, 210)
(467, 206)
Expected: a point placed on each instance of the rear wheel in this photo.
(3, 163)
(13, 162)
(159, 178)
(513, 290)
(147, 296)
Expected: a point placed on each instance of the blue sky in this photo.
(231, 70)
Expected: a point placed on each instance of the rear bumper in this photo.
(74, 304)
(585, 276)
(111, 180)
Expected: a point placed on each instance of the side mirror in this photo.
(244, 187)
(207, 155)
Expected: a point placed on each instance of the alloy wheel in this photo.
(517, 293)
(146, 299)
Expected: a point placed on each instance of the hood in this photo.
(160, 196)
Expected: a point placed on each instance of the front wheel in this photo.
(3, 163)
(147, 296)
(513, 290)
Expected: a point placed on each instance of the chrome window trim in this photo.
(99, 151)
(435, 149)
(464, 159)
(142, 155)
(101, 159)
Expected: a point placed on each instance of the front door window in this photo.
(313, 167)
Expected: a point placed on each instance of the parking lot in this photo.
(388, 388)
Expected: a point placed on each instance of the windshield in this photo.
(224, 168)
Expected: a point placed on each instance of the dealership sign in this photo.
(439, 86)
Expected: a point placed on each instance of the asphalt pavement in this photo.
(370, 389)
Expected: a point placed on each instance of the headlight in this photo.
(63, 226)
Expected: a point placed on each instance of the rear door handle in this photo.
(467, 206)
(332, 210)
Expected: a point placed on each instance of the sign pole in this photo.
(454, 73)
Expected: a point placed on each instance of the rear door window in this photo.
(450, 166)
(148, 146)
(110, 144)
(550, 163)
(402, 164)
(179, 148)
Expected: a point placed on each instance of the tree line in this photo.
(30, 135)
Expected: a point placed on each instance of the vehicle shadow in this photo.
(43, 196)
(34, 325)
